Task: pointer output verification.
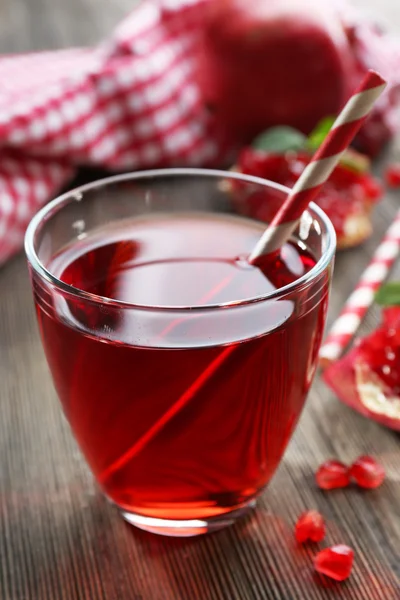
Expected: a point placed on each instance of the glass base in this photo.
(190, 527)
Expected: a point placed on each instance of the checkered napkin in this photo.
(132, 102)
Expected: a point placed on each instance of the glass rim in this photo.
(52, 207)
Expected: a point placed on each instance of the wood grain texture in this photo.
(61, 540)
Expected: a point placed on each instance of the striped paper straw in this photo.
(361, 299)
(321, 165)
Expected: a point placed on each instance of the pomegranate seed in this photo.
(392, 175)
(332, 474)
(372, 188)
(310, 526)
(367, 472)
(335, 562)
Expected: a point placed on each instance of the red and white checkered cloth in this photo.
(132, 102)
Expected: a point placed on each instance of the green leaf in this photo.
(280, 139)
(389, 294)
(318, 134)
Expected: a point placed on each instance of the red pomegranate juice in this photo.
(181, 414)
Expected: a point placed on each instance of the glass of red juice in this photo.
(181, 369)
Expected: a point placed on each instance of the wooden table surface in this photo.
(59, 538)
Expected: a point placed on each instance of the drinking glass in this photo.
(181, 369)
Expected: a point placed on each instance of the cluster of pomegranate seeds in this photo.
(310, 526)
(367, 472)
(367, 378)
(381, 349)
(335, 562)
(392, 175)
(346, 193)
(332, 474)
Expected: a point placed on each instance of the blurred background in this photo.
(40, 24)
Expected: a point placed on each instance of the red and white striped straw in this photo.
(358, 303)
(321, 165)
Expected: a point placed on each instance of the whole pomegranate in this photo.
(269, 62)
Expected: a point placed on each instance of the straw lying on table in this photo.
(278, 232)
(356, 307)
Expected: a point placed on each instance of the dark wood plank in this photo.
(59, 538)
